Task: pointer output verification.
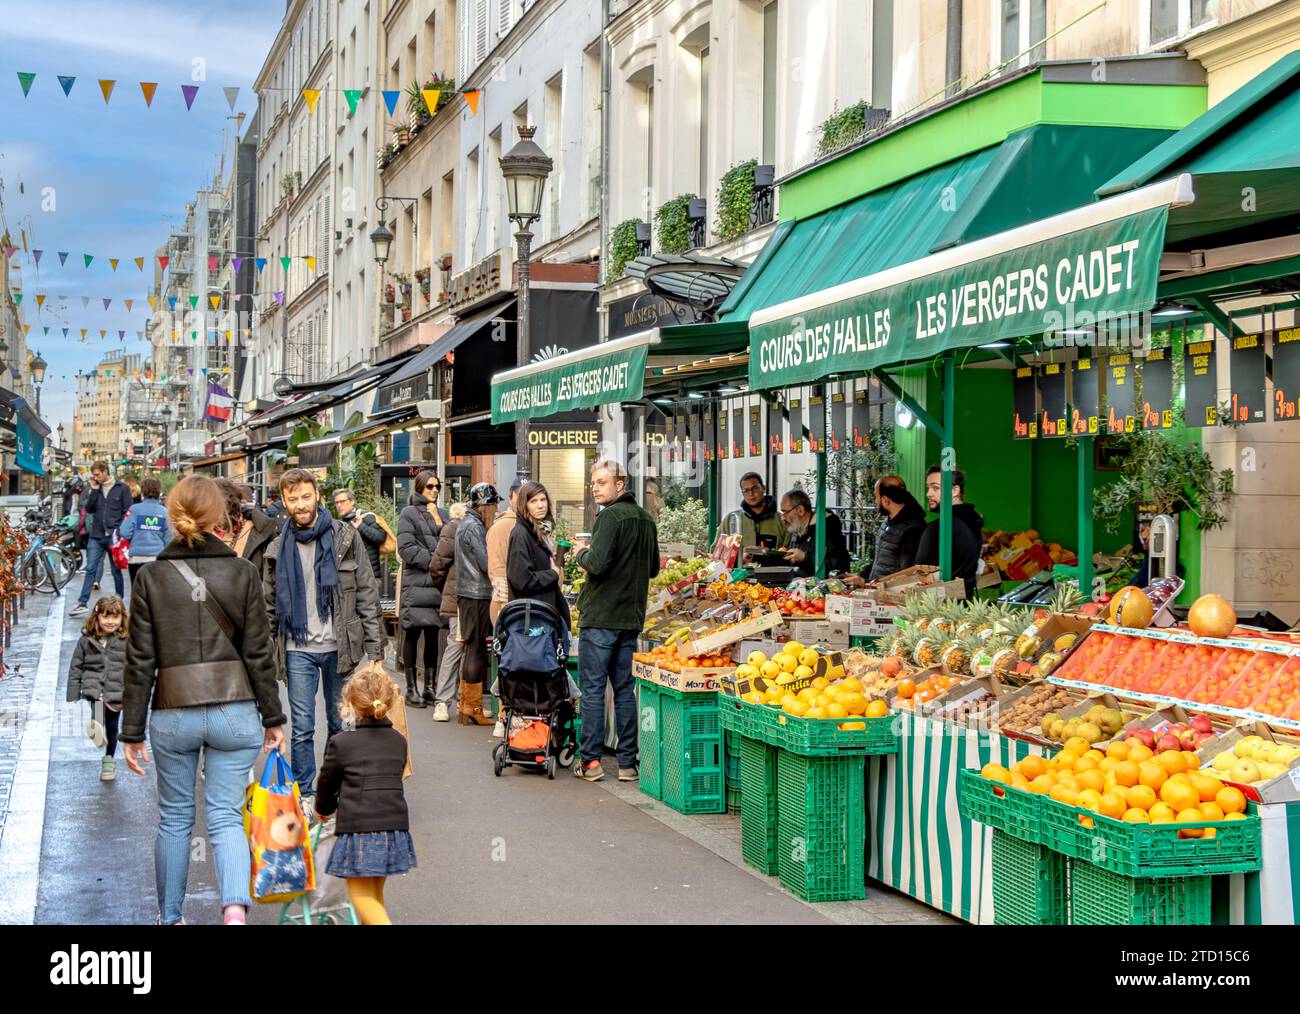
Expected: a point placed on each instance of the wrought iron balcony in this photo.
(762, 202)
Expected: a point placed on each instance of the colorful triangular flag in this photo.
(65, 332)
(83, 334)
(106, 86)
(212, 263)
(259, 263)
(390, 100)
(311, 263)
(471, 99)
(36, 254)
(431, 96)
(103, 333)
(194, 302)
(311, 96)
(40, 298)
(232, 96)
(148, 88)
(236, 261)
(89, 258)
(285, 262)
(171, 302)
(107, 300)
(25, 78)
(189, 91)
(66, 84)
(353, 96)
(47, 330)
(215, 300)
(128, 304)
(279, 297)
(112, 263)
(153, 302)
(121, 336)
(63, 257)
(18, 298)
(139, 263)
(162, 262)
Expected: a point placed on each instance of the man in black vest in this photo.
(900, 535)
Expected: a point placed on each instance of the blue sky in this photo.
(122, 173)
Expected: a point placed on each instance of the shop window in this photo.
(770, 73)
(1167, 20)
(1019, 33)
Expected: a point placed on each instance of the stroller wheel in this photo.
(550, 767)
(498, 758)
(566, 755)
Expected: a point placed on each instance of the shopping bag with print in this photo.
(119, 549)
(277, 836)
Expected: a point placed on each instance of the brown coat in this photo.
(498, 547)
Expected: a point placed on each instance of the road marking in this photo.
(24, 828)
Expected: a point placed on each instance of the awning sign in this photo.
(584, 383)
(1106, 269)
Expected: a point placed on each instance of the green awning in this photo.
(1099, 260)
(1243, 155)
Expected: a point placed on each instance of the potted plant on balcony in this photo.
(403, 283)
(735, 196)
(422, 277)
(623, 247)
(417, 109)
(444, 262)
(674, 225)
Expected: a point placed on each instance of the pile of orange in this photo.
(1128, 782)
(666, 656)
(927, 690)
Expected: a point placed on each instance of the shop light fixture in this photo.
(1172, 309)
(695, 396)
(996, 345)
(728, 390)
(903, 417)
(663, 401)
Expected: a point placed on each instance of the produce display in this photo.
(1019, 555)
(1096, 725)
(677, 572)
(667, 656)
(1254, 759)
(875, 675)
(909, 693)
(1026, 715)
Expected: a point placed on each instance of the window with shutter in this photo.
(463, 33)
(326, 237)
(481, 46)
(506, 17)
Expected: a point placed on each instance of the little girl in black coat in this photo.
(95, 675)
(361, 778)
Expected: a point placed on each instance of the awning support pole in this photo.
(1086, 452)
(1221, 320)
(819, 534)
(947, 463)
(927, 420)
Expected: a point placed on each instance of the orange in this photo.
(1086, 763)
(1180, 797)
(1152, 774)
(1087, 822)
(1065, 760)
(1042, 785)
(1118, 750)
(1134, 815)
(1089, 799)
(1162, 811)
(1160, 818)
(1111, 805)
(821, 682)
(906, 688)
(856, 703)
(1126, 773)
(837, 710)
(1231, 800)
(1193, 762)
(1067, 778)
(1142, 796)
(815, 712)
(1091, 780)
(1172, 761)
(1095, 754)
(797, 708)
(1206, 786)
(1138, 753)
(1190, 816)
(1107, 764)
(1212, 811)
(1234, 815)
(1019, 781)
(1077, 745)
(1031, 767)
(1062, 794)
(821, 701)
(875, 709)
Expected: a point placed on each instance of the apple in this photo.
(1144, 736)
(1245, 771)
(1188, 738)
(1202, 723)
(1202, 738)
(1168, 742)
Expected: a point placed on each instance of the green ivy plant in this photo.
(673, 226)
(735, 195)
(1156, 470)
(841, 128)
(622, 248)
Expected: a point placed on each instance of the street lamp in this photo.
(525, 168)
(166, 418)
(60, 432)
(383, 240)
(37, 365)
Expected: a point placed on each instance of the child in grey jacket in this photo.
(95, 675)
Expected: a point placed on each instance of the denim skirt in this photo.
(371, 854)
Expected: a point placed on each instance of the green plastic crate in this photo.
(758, 805)
(821, 826)
(690, 740)
(1030, 883)
(1100, 897)
(649, 765)
(1013, 811)
(810, 737)
(1151, 850)
(733, 799)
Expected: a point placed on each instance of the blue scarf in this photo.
(291, 586)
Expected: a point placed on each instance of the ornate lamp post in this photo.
(37, 366)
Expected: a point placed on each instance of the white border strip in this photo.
(1170, 193)
(24, 827)
(633, 341)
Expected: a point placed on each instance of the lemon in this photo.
(792, 648)
(788, 663)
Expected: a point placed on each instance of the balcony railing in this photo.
(762, 202)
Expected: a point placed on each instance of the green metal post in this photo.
(820, 534)
(1086, 451)
(947, 463)
(711, 491)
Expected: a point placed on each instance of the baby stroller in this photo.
(531, 644)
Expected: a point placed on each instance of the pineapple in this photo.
(921, 647)
(1066, 598)
(936, 613)
(913, 611)
(898, 646)
(975, 618)
(958, 653)
(1003, 660)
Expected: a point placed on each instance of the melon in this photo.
(1211, 616)
(1131, 608)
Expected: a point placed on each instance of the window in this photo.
(553, 143)
(445, 209)
(882, 54)
(494, 191)
(1022, 26)
(1172, 19)
(769, 82)
(704, 122)
(505, 17)
(472, 205)
(430, 57)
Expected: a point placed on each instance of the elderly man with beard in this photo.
(797, 513)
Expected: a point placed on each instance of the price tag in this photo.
(775, 428)
(839, 419)
(817, 423)
(1157, 391)
(1024, 397)
(1246, 380)
(1051, 386)
(738, 432)
(861, 418)
(1119, 394)
(755, 431)
(1286, 375)
(1200, 384)
(1085, 391)
(796, 423)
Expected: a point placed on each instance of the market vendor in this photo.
(967, 529)
(758, 521)
(797, 513)
(899, 536)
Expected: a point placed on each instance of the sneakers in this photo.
(79, 609)
(499, 730)
(107, 769)
(95, 586)
(440, 712)
(589, 771)
(628, 774)
(235, 915)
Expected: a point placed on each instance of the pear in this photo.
(1246, 771)
(1090, 732)
(1225, 762)
(1056, 730)
(1111, 721)
(1246, 748)
(1268, 770)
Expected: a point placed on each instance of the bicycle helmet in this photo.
(481, 494)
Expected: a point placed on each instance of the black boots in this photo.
(413, 698)
(430, 679)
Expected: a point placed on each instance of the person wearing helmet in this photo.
(474, 600)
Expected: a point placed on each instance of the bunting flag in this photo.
(162, 262)
(431, 96)
(212, 263)
(103, 334)
(65, 332)
(25, 78)
(471, 98)
(311, 263)
(89, 258)
(259, 263)
(311, 96)
(128, 303)
(47, 330)
(66, 84)
(139, 263)
(121, 336)
(40, 298)
(390, 100)
(237, 262)
(232, 96)
(10, 251)
(194, 302)
(285, 262)
(148, 88)
(18, 298)
(37, 255)
(26, 328)
(112, 263)
(214, 300)
(63, 257)
(353, 96)
(83, 334)
(153, 302)
(85, 302)
(107, 300)
(106, 86)
(171, 303)
(279, 298)
(189, 92)
(227, 336)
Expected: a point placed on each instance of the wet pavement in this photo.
(518, 848)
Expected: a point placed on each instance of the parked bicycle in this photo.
(45, 566)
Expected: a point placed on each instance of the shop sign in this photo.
(1286, 374)
(1105, 271)
(1024, 402)
(1158, 390)
(1201, 384)
(475, 282)
(1085, 396)
(1051, 387)
(405, 392)
(644, 311)
(1246, 380)
(588, 383)
(553, 437)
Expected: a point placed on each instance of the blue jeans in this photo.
(605, 656)
(306, 671)
(230, 737)
(97, 550)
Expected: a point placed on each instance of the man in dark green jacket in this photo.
(620, 561)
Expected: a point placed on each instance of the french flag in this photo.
(220, 403)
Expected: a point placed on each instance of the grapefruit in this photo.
(1211, 616)
(1131, 608)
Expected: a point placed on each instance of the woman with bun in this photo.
(200, 668)
(361, 778)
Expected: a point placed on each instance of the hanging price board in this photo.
(1200, 384)
(796, 423)
(775, 428)
(1286, 374)
(1119, 394)
(724, 436)
(1085, 400)
(1246, 378)
(710, 435)
(1024, 398)
(738, 432)
(861, 418)
(755, 430)
(1051, 389)
(839, 419)
(1158, 390)
(817, 423)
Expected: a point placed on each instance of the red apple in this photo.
(1202, 738)
(1189, 737)
(1168, 742)
(1202, 723)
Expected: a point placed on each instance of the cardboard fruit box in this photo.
(708, 643)
(1285, 788)
(1133, 716)
(692, 680)
(894, 589)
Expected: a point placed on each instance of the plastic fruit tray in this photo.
(1099, 897)
(821, 826)
(1151, 850)
(1030, 883)
(809, 737)
(1001, 807)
